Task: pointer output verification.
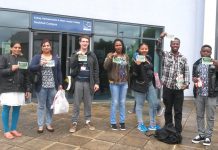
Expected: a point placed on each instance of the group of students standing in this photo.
(16, 85)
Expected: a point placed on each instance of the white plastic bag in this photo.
(60, 104)
(157, 80)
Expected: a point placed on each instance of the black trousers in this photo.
(173, 99)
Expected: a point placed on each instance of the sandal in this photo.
(40, 130)
(8, 135)
(15, 133)
(50, 129)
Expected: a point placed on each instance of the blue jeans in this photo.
(151, 97)
(5, 117)
(45, 99)
(118, 96)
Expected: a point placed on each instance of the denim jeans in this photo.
(118, 96)
(45, 99)
(5, 117)
(151, 97)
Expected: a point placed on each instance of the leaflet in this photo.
(140, 58)
(207, 61)
(170, 36)
(22, 65)
(82, 57)
(50, 63)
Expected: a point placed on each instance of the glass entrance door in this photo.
(70, 43)
(62, 44)
(53, 37)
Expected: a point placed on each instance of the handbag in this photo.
(60, 104)
(35, 77)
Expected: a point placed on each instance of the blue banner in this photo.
(45, 22)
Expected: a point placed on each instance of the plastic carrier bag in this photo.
(60, 104)
(157, 80)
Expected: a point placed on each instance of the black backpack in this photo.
(168, 135)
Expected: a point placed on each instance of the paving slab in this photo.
(109, 136)
(98, 145)
(75, 140)
(123, 147)
(61, 146)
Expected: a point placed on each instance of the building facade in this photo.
(30, 21)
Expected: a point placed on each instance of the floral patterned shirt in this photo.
(47, 77)
(203, 75)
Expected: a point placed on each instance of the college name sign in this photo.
(45, 22)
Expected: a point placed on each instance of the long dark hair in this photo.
(123, 47)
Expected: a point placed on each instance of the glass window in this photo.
(155, 58)
(14, 19)
(129, 31)
(105, 28)
(52, 37)
(151, 32)
(131, 46)
(13, 34)
(102, 46)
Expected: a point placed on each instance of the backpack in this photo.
(168, 135)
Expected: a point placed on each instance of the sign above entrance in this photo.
(44, 22)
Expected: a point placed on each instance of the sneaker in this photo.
(73, 127)
(154, 128)
(114, 126)
(141, 127)
(207, 142)
(197, 139)
(90, 126)
(122, 126)
(160, 111)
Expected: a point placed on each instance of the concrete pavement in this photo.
(103, 138)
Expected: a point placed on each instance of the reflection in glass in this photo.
(129, 31)
(105, 28)
(151, 32)
(9, 35)
(153, 54)
(14, 19)
(102, 46)
(131, 46)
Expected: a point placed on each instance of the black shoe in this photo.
(197, 139)
(40, 130)
(50, 129)
(207, 142)
(113, 126)
(122, 126)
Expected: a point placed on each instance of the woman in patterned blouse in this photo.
(48, 69)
